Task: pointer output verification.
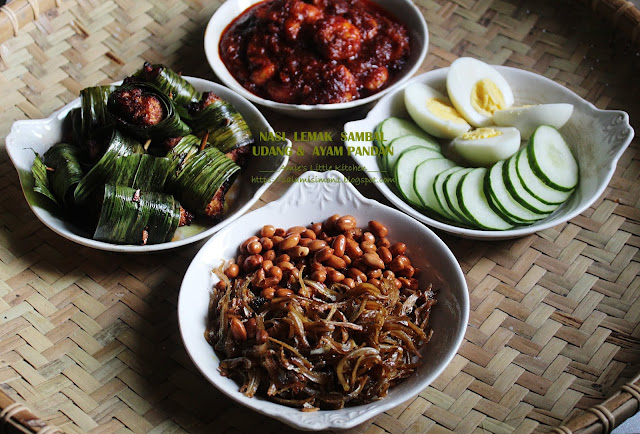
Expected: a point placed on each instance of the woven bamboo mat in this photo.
(89, 340)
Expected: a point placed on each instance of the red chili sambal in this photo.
(315, 51)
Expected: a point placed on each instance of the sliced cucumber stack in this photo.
(474, 203)
(517, 191)
(423, 178)
(399, 145)
(405, 169)
(393, 128)
(552, 160)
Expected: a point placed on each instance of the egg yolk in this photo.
(443, 110)
(486, 97)
(481, 133)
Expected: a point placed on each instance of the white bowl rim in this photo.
(213, 57)
(357, 416)
(516, 232)
(13, 146)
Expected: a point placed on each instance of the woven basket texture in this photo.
(89, 340)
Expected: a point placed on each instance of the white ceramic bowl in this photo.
(39, 135)
(322, 195)
(404, 10)
(597, 138)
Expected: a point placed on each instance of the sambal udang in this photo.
(315, 51)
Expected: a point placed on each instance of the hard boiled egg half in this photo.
(487, 145)
(433, 111)
(528, 118)
(477, 90)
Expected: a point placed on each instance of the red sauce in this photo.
(314, 51)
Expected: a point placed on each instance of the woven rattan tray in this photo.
(89, 340)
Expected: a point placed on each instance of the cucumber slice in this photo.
(474, 204)
(534, 185)
(382, 161)
(438, 192)
(502, 201)
(405, 170)
(394, 127)
(552, 160)
(450, 188)
(401, 144)
(519, 193)
(423, 182)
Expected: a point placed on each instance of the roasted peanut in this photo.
(388, 274)
(308, 233)
(268, 293)
(374, 282)
(385, 254)
(319, 276)
(353, 249)
(324, 254)
(357, 275)
(298, 252)
(221, 285)
(398, 248)
(237, 330)
(279, 232)
(399, 263)
(243, 246)
(368, 247)
(284, 292)
(378, 229)
(254, 247)
(372, 260)
(268, 231)
(349, 282)
(269, 255)
(407, 271)
(285, 266)
(276, 239)
(336, 262)
(296, 230)
(252, 262)
(232, 271)
(289, 242)
(267, 243)
(345, 223)
(339, 244)
(334, 276)
(316, 245)
(275, 272)
(282, 258)
(383, 242)
(368, 237)
(316, 228)
(374, 274)
(304, 242)
(329, 223)
(266, 264)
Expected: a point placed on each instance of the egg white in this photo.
(433, 117)
(489, 150)
(526, 119)
(462, 77)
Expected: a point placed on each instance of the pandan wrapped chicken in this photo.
(141, 158)
(224, 127)
(143, 111)
(200, 177)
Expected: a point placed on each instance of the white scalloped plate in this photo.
(325, 194)
(597, 137)
(39, 135)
